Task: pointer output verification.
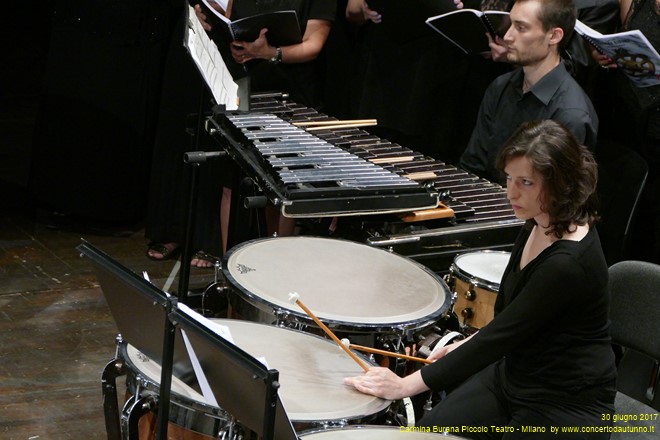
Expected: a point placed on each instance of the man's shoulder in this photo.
(571, 91)
(508, 77)
(560, 86)
(505, 81)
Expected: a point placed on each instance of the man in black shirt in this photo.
(540, 88)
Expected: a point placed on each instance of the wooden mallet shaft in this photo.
(389, 353)
(295, 298)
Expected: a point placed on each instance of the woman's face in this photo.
(524, 189)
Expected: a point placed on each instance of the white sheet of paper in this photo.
(224, 4)
(207, 57)
(199, 372)
(221, 330)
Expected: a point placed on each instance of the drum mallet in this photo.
(294, 298)
(385, 352)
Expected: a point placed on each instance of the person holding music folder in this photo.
(413, 81)
(635, 121)
(291, 69)
(540, 88)
(545, 361)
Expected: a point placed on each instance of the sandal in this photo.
(204, 260)
(168, 251)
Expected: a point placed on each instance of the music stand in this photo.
(140, 311)
(229, 86)
(231, 372)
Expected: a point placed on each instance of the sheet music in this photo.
(207, 57)
(215, 11)
(221, 330)
(199, 372)
(223, 4)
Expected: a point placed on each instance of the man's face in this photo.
(527, 43)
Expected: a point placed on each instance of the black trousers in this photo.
(484, 407)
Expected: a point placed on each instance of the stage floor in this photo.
(56, 332)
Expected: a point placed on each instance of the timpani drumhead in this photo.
(374, 433)
(483, 268)
(339, 280)
(311, 372)
(150, 371)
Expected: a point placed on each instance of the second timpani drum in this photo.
(476, 280)
(351, 287)
(311, 372)
(191, 417)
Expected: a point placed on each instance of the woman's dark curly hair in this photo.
(569, 172)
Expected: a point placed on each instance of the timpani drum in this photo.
(353, 288)
(190, 416)
(311, 372)
(375, 433)
(476, 277)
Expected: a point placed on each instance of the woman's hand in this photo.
(603, 60)
(382, 382)
(201, 16)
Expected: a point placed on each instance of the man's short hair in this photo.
(557, 13)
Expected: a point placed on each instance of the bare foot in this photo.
(203, 260)
(162, 251)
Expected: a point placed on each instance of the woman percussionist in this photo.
(545, 361)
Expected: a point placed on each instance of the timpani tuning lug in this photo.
(450, 281)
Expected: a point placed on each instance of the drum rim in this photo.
(334, 323)
(454, 269)
(310, 433)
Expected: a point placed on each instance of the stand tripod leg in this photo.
(111, 372)
(244, 223)
(134, 409)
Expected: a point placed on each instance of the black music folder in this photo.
(283, 27)
(467, 28)
(403, 20)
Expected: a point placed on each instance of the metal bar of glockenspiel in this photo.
(360, 180)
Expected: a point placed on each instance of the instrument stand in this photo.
(140, 310)
(165, 377)
(114, 369)
(246, 221)
(194, 159)
(260, 408)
